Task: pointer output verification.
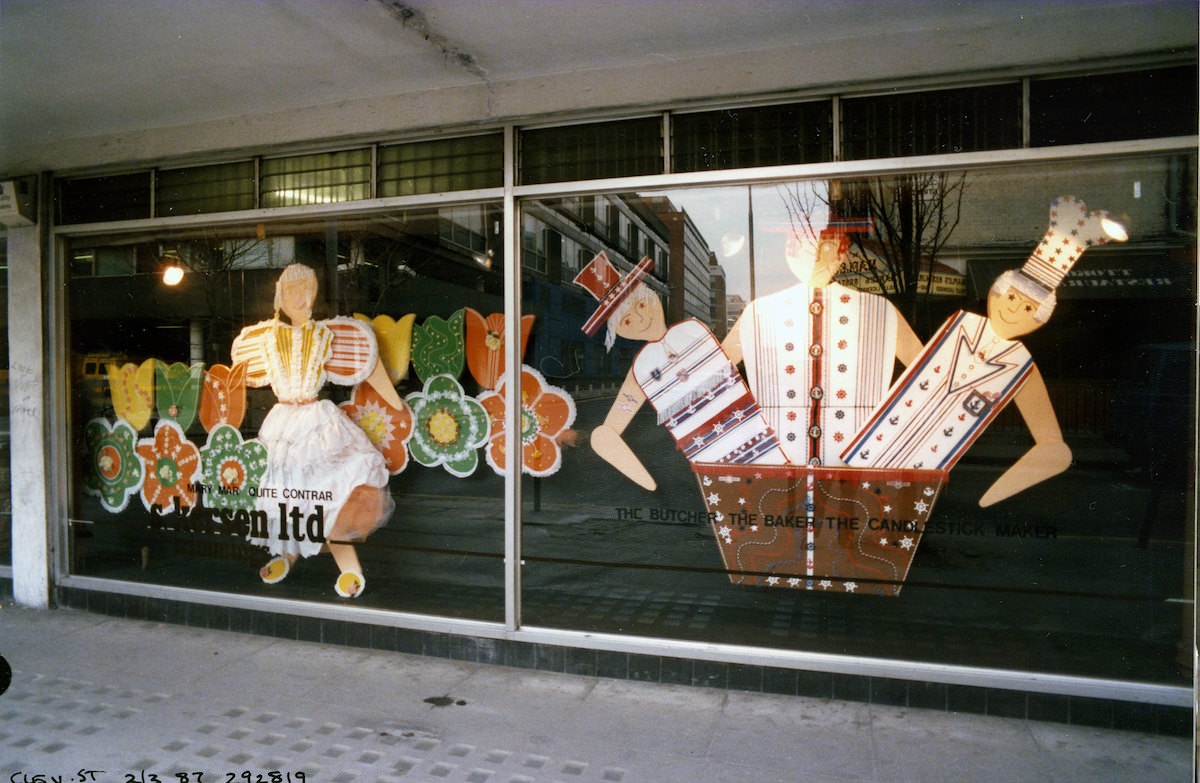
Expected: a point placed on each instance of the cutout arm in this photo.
(607, 441)
(732, 344)
(381, 383)
(908, 345)
(1049, 455)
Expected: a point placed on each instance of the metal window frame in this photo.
(511, 627)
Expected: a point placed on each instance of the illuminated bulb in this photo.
(172, 274)
(1115, 230)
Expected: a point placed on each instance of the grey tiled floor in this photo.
(124, 696)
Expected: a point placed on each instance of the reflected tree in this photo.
(912, 216)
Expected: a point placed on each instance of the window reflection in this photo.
(148, 358)
(1091, 557)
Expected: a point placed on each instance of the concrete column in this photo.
(26, 380)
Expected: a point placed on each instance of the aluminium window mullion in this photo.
(512, 382)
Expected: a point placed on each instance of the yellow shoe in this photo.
(349, 584)
(276, 569)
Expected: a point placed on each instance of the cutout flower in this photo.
(448, 426)
(172, 464)
(394, 339)
(223, 399)
(437, 346)
(485, 345)
(114, 470)
(229, 465)
(132, 388)
(387, 428)
(546, 411)
(178, 391)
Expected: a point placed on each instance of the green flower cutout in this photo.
(448, 426)
(114, 469)
(438, 346)
(229, 467)
(177, 391)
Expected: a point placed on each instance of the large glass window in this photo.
(5, 441)
(216, 423)
(741, 474)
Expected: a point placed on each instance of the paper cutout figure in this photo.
(438, 346)
(223, 396)
(114, 469)
(819, 355)
(485, 345)
(448, 426)
(177, 391)
(230, 467)
(974, 366)
(388, 428)
(546, 412)
(394, 339)
(336, 479)
(818, 528)
(132, 388)
(685, 374)
(172, 466)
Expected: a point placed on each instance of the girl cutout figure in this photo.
(320, 465)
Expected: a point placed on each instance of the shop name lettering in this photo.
(292, 522)
(749, 520)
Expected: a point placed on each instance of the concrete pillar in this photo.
(26, 380)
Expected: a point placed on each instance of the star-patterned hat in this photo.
(1072, 230)
(602, 280)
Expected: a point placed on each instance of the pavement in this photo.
(94, 699)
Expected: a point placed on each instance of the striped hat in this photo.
(602, 280)
(1072, 230)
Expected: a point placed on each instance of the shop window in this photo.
(596, 151)
(316, 179)
(1111, 107)
(932, 123)
(170, 436)
(5, 440)
(758, 136)
(468, 163)
(225, 187)
(652, 535)
(98, 199)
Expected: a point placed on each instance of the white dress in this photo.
(316, 455)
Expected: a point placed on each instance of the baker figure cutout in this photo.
(974, 366)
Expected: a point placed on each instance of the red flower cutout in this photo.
(546, 412)
(386, 427)
(172, 465)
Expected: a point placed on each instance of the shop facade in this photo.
(454, 255)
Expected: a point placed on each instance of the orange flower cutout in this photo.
(223, 396)
(546, 412)
(172, 465)
(485, 345)
(386, 427)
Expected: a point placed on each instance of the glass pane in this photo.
(97, 199)
(764, 136)
(932, 123)
(607, 149)
(200, 189)
(316, 179)
(450, 164)
(5, 440)
(1111, 107)
(214, 424)
(708, 497)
